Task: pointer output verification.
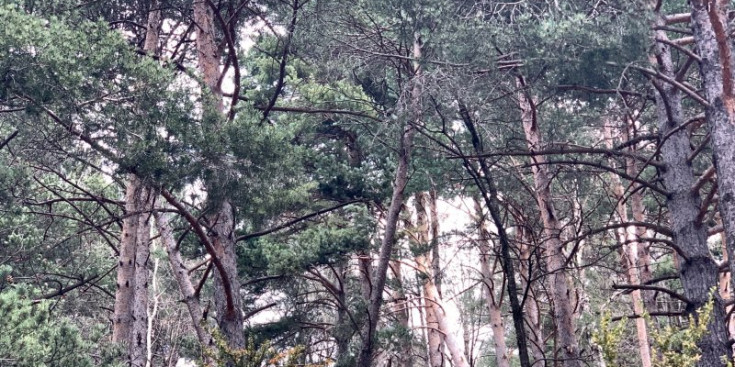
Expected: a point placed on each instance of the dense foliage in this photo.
(366, 183)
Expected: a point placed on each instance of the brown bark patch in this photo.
(724, 51)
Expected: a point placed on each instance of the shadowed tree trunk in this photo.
(531, 306)
(486, 185)
(391, 221)
(710, 23)
(697, 270)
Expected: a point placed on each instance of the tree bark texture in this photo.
(552, 244)
(697, 270)
(713, 43)
(435, 339)
(130, 320)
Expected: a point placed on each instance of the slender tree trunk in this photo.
(532, 314)
(552, 244)
(391, 220)
(435, 337)
(697, 270)
(485, 183)
(400, 309)
(181, 275)
(642, 249)
(228, 303)
(492, 300)
(628, 238)
(435, 263)
(448, 323)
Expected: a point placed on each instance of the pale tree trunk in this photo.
(628, 239)
(493, 299)
(228, 303)
(552, 244)
(643, 252)
(186, 288)
(152, 315)
(449, 324)
(400, 309)
(435, 263)
(697, 270)
(435, 338)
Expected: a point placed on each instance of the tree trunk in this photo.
(435, 263)
(628, 239)
(448, 323)
(391, 220)
(400, 309)
(532, 314)
(488, 274)
(485, 183)
(710, 23)
(643, 252)
(130, 321)
(697, 270)
(552, 244)
(181, 275)
(434, 336)
(228, 303)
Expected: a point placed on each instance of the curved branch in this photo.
(207, 245)
(653, 288)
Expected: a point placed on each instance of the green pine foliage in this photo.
(32, 336)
